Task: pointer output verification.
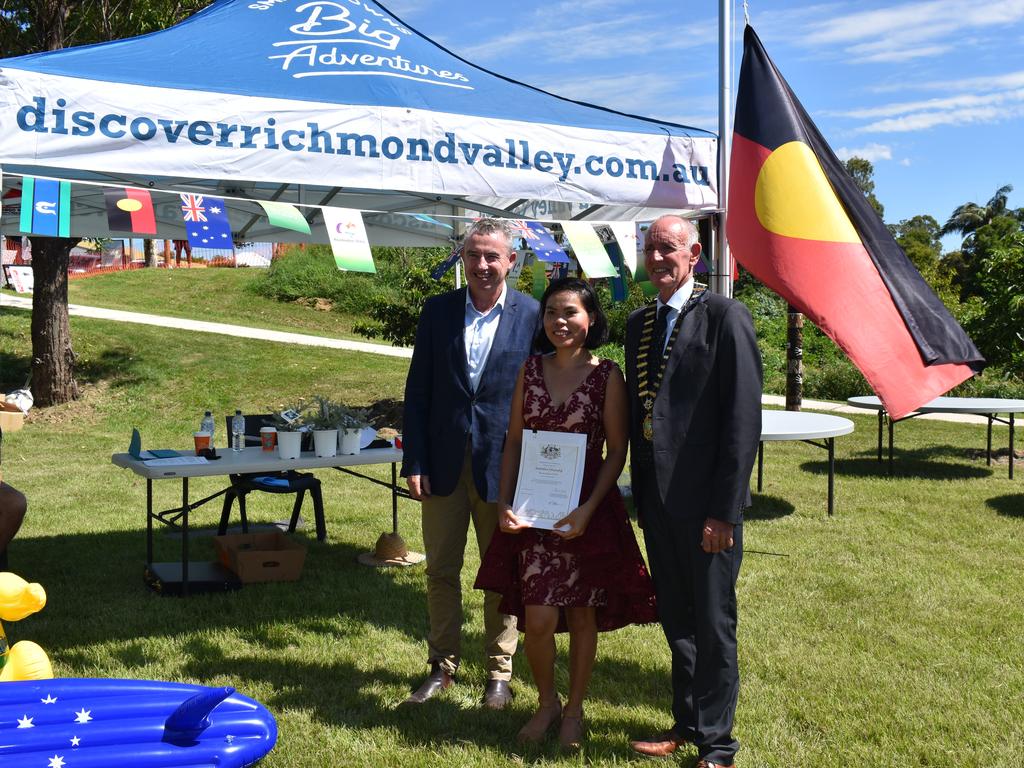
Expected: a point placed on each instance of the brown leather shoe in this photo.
(659, 745)
(709, 764)
(436, 682)
(497, 694)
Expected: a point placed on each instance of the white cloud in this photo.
(949, 103)
(1004, 81)
(910, 30)
(872, 152)
(641, 94)
(915, 22)
(892, 51)
(962, 109)
(574, 32)
(905, 162)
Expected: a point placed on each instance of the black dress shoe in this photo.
(497, 694)
(436, 682)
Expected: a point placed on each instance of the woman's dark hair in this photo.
(598, 333)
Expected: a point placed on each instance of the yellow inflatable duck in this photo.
(24, 660)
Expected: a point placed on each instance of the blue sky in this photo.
(931, 92)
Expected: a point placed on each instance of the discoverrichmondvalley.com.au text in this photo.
(512, 153)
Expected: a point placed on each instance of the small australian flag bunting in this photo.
(448, 263)
(206, 221)
(543, 244)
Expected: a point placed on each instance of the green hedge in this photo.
(388, 305)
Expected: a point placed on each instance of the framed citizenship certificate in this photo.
(550, 476)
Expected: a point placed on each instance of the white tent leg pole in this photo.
(723, 276)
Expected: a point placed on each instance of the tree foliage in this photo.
(995, 317)
(862, 172)
(33, 26)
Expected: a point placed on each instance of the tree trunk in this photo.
(53, 360)
(150, 251)
(794, 361)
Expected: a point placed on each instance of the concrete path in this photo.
(77, 310)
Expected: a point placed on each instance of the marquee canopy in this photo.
(329, 102)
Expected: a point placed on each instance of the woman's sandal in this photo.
(570, 735)
(538, 725)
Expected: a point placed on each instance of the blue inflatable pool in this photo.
(104, 723)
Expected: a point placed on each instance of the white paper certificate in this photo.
(550, 476)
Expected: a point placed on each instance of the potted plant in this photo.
(325, 418)
(290, 424)
(351, 422)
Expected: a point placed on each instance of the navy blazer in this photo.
(442, 412)
(707, 414)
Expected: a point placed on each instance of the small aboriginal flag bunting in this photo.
(802, 227)
(130, 210)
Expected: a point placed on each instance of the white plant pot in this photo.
(348, 441)
(289, 445)
(325, 442)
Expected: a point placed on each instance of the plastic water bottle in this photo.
(237, 431)
(207, 425)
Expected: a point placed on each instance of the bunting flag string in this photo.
(45, 208)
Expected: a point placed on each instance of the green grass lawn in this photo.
(888, 635)
(214, 295)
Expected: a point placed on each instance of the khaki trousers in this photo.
(445, 528)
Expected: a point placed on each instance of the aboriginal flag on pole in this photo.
(800, 224)
(130, 210)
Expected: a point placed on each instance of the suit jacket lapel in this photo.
(693, 329)
(457, 359)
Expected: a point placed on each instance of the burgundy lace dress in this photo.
(602, 568)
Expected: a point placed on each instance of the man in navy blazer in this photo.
(693, 371)
(470, 344)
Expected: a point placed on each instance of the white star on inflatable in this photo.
(83, 716)
(75, 741)
(223, 235)
(214, 209)
(25, 722)
(56, 762)
(206, 226)
(49, 699)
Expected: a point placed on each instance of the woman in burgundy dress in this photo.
(587, 575)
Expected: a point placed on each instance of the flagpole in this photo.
(723, 277)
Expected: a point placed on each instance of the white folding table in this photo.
(807, 427)
(248, 460)
(990, 407)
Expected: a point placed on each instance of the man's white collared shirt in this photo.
(675, 305)
(479, 335)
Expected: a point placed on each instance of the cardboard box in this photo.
(261, 556)
(11, 419)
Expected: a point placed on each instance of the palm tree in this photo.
(969, 217)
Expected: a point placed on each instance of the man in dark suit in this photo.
(694, 376)
(470, 344)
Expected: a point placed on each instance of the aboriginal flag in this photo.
(130, 210)
(801, 226)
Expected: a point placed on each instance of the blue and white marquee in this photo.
(329, 102)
